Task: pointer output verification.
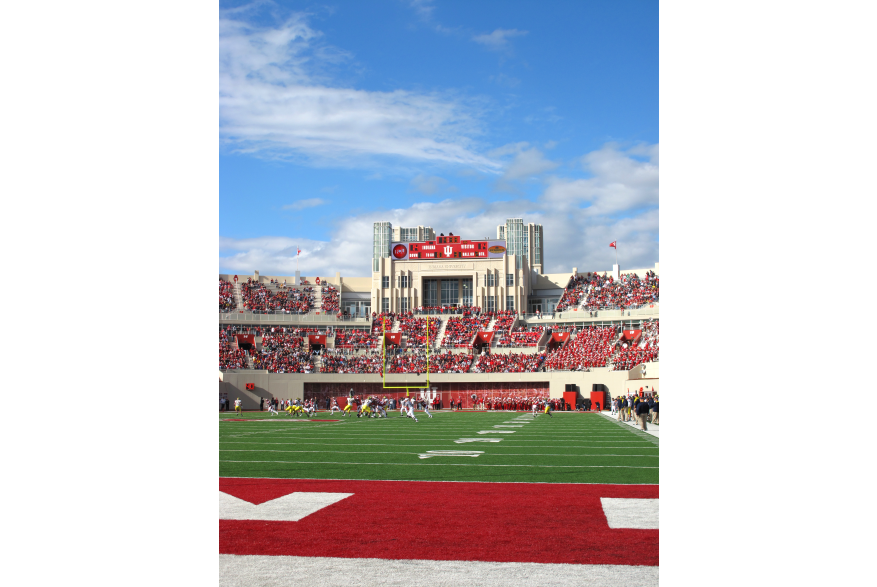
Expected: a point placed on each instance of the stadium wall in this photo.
(292, 385)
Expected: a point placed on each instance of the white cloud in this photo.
(302, 204)
(498, 39)
(428, 184)
(580, 218)
(277, 101)
(423, 8)
(528, 163)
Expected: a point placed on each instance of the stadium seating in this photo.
(415, 329)
(461, 330)
(355, 338)
(507, 363)
(226, 296)
(646, 349)
(605, 293)
(338, 362)
(329, 299)
(522, 336)
(259, 298)
(230, 358)
(591, 347)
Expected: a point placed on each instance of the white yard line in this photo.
(443, 464)
(374, 452)
(652, 430)
(288, 571)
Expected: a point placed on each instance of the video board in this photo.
(447, 247)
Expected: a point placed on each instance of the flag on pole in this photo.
(298, 253)
(612, 244)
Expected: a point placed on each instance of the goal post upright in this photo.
(407, 388)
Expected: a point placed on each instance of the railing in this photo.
(309, 318)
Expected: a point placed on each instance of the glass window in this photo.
(491, 303)
(403, 305)
(491, 279)
(450, 292)
(466, 295)
(510, 302)
(510, 279)
(403, 281)
(430, 292)
(385, 281)
(385, 305)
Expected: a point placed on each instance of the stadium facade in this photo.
(414, 270)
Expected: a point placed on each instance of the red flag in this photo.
(298, 253)
(612, 244)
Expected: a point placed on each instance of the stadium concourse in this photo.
(494, 477)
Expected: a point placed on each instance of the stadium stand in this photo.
(259, 298)
(415, 329)
(591, 347)
(605, 293)
(644, 351)
(356, 338)
(522, 336)
(338, 362)
(226, 296)
(507, 363)
(329, 299)
(460, 330)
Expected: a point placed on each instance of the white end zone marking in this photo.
(465, 440)
(450, 453)
(282, 571)
(508, 426)
(289, 508)
(629, 513)
(495, 432)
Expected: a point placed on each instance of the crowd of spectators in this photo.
(508, 363)
(415, 362)
(598, 292)
(645, 350)
(284, 360)
(230, 358)
(226, 296)
(522, 336)
(259, 298)
(329, 298)
(378, 320)
(357, 338)
(460, 331)
(504, 320)
(591, 347)
(340, 362)
(415, 329)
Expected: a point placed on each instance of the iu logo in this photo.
(399, 251)
(427, 394)
(449, 250)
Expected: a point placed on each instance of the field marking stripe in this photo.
(437, 481)
(430, 464)
(374, 452)
(508, 442)
(284, 570)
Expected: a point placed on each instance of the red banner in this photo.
(484, 337)
(317, 338)
(560, 336)
(246, 338)
(631, 334)
(394, 338)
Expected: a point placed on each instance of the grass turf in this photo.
(566, 448)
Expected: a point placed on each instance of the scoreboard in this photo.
(447, 247)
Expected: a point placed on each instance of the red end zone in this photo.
(267, 420)
(508, 522)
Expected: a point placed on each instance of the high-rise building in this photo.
(382, 233)
(523, 240)
(414, 234)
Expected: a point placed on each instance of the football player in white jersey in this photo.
(334, 406)
(379, 407)
(272, 410)
(408, 405)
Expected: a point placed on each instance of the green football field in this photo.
(569, 447)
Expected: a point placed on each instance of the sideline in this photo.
(653, 429)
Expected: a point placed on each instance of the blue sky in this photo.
(455, 115)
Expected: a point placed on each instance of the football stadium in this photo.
(439, 294)
(454, 413)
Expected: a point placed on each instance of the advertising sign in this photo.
(447, 247)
